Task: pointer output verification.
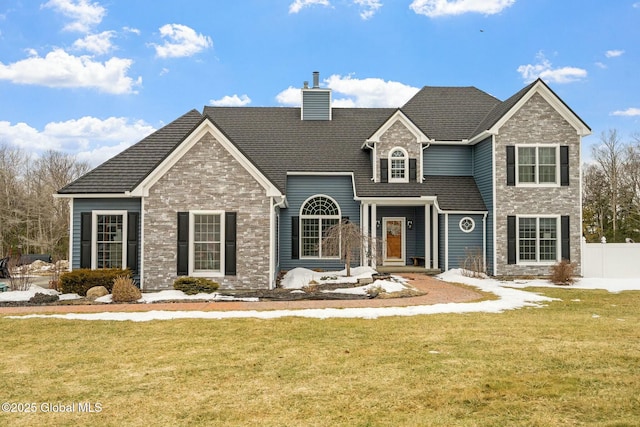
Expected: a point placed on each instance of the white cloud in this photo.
(84, 15)
(545, 71)
(180, 41)
(60, 69)
(290, 96)
(371, 92)
(636, 5)
(435, 8)
(613, 53)
(369, 7)
(601, 65)
(629, 112)
(131, 30)
(231, 101)
(98, 44)
(93, 139)
(298, 5)
(352, 92)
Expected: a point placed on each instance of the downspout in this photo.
(273, 237)
(424, 147)
(71, 234)
(484, 242)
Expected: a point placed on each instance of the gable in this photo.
(204, 129)
(539, 91)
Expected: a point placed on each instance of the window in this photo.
(317, 215)
(109, 235)
(206, 242)
(398, 165)
(537, 239)
(467, 224)
(537, 164)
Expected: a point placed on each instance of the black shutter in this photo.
(511, 165)
(511, 240)
(133, 219)
(183, 244)
(564, 165)
(564, 233)
(230, 231)
(384, 170)
(85, 240)
(295, 237)
(413, 169)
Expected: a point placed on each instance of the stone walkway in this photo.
(436, 290)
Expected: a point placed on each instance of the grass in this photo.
(570, 363)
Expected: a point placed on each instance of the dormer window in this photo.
(398, 159)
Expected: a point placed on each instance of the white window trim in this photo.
(205, 273)
(473, 224)
(558, 240)
(94, 235)
(537, 166)
(319, 217)
(406, 165)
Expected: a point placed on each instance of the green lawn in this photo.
(570, 363)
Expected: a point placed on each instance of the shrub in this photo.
(124, 290)
(563, 273)
(40, 298)
(473, 263)
(80, 281)
(195, 285)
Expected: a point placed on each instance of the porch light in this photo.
(410, 224)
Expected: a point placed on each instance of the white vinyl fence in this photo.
(611, 260)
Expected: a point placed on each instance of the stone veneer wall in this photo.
(207, 178)
(535, 123)
(398, 136)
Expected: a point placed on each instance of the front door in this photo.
(394, 237)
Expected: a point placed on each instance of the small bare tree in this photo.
(346, 239)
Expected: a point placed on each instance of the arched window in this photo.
(398, 165)
(317, 215)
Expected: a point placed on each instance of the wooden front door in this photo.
(394, 240)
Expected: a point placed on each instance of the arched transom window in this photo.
(317, 215)
(398, 165)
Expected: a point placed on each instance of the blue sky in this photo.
(93, 77)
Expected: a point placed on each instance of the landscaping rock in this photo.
(97, 292)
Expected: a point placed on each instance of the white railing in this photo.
(611, 260)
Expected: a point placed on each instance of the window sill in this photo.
(206, 273)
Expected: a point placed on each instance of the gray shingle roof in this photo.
(277, 141)
(449, 113)
(127, 169)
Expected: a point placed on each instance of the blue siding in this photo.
(88, 205)
(460, 242)
(299, 189)
(448, 160)
(483, 174)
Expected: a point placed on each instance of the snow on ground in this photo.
(299, 277)
(173, 295)
(33, 290)
(511, 296)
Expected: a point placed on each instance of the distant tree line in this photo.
(611, 190)
(31, 219)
